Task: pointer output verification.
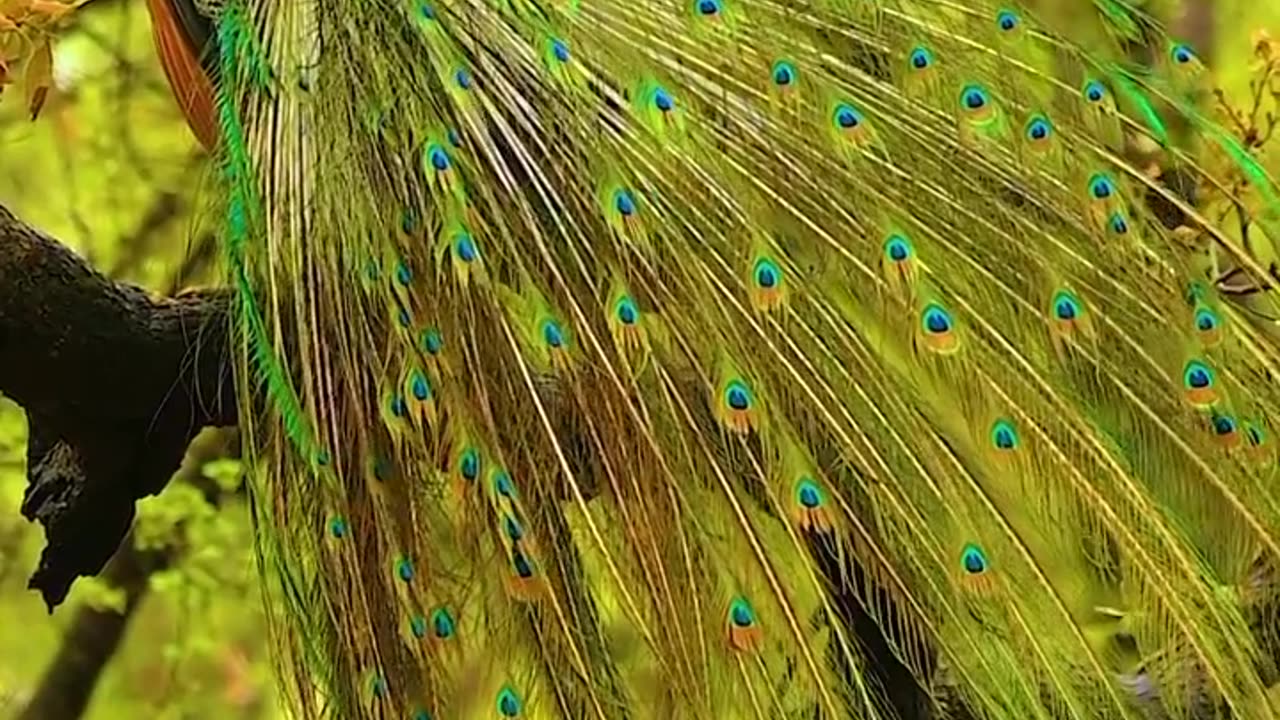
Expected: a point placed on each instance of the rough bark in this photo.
(115, 383)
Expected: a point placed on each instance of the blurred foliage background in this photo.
(110, 169)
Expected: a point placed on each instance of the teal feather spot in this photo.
(513, 528)
(419, 386)
(626, 311)
(1007, 20)
(1197, 376)
(338, 527)
(784, 73)
(1206, 320)
(708, 8)
(469, 464)
(974, 98)
(560, 50)
(846, 117)
(738, 396)
(432, 341)
(1101, 187)
(442, 623)
(663, 101)
(935, 320)
(767, 274)
(1224, 424)
(897, 248)
(465, 247)
(624, 202)
(741, 614)
(1004, 435)
(1118, 223)
(404, 569)
(920, 58)
(502, 484)
(508, 703)
(409, 222)
(552, 334)
(1066, 306)
(437, 158)
(1094, 91)
(1182, 54)
(973, 560)
(418, 626)
(808, 494)
(1038, 129)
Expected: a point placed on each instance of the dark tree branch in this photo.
(94, 635)
(115, 382)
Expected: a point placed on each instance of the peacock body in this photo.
(728, 359)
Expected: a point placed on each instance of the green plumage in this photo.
(636, 360)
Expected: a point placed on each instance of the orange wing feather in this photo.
(180, 59)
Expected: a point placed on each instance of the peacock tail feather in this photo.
(746, 359)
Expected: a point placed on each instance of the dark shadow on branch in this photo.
(115, 382)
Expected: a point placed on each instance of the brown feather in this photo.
(180, 59)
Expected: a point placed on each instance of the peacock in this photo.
(745, 359)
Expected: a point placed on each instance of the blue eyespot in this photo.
(1119, 225)
(784, 73)
(1197, 375)
(1094, 91)
(1006, 20)
(465, 247)
(508, 703)
(1039, 128)
(896, 248)
(628, 314)
(1182, 54)
(847, 117)
(808, 494)
(338, 527)
(432, 342)
(974, 98)
(438, 158)
(560, 51)
(663, 100)
(1206, 320)
(1101, 187)
(1004, 435)
(738, 397)
(470, 464)
(920, 58)
(624, 203)
(741, 614)
(937, 320)
(552, 334)
(1224, 425)
(973, 560)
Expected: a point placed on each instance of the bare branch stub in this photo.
(115, 383)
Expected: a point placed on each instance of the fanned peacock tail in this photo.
(744, 359)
